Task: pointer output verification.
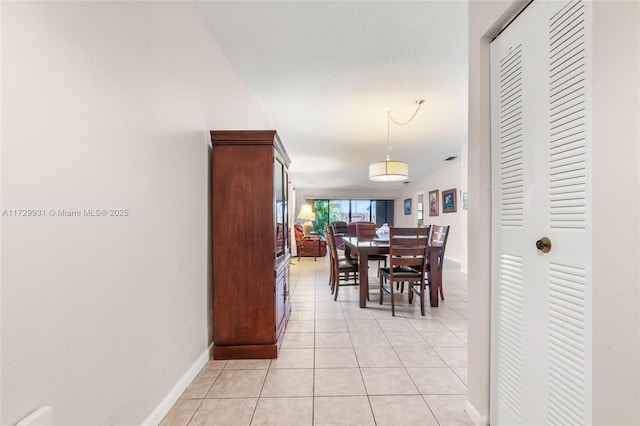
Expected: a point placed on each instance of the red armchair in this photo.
(315, 245)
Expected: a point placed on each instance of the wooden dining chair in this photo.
(438, 238)
(327, 230)
(410, 231)
(339, 229)
(407, 261)
(367, 232)
(342, 270)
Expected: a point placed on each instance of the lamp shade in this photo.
(388, 171)
(306, 213)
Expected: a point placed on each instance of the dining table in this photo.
(379, 246)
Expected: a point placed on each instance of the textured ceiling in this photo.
(326, 73)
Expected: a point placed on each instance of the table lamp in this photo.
(307, 215)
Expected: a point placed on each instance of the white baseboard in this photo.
(163, 408)
(456, 263)
(454, 260)
(477, 418)
(43, 416)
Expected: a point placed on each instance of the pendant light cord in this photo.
(390, 119)
(419, 102)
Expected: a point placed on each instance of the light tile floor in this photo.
(342, 365)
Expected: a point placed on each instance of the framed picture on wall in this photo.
(407, 206)
(449, 201)
(434, 207)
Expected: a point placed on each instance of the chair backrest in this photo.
(439, 236)
(328, 233)
(339, 227)
(351, 228)
(408, 248)
(424, 230)
(331, 241)
(366, 231)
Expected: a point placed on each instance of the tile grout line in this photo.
(301, 289)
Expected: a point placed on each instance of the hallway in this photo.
(340, 364)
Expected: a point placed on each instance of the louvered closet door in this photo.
(541, 302)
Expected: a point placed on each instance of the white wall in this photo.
(107, 105)
(448, 177)
(616, 231)
(464, 218)
(616, 234)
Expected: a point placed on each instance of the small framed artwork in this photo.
(434, 208)
(449, 201)
(407, 206)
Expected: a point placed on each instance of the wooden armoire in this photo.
(250, 234)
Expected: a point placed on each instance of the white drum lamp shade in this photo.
(389, 171)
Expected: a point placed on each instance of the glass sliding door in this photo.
(361, 211)
(327, 211)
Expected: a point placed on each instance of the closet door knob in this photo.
(544, 244)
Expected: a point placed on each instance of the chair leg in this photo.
(393, 305)
(368, 288)
(422, 286)
(337, 288)
(439, 286)
(381, 279)
(331, 278)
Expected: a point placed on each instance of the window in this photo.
(327, 211)
(361, 211)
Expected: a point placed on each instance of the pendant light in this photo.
(388, 170)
